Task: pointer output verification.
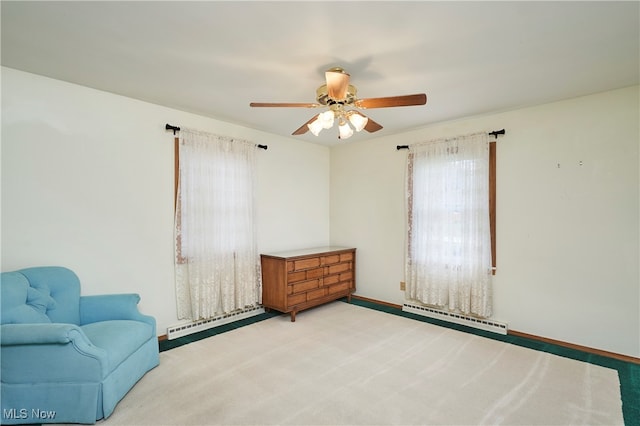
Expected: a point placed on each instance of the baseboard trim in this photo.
(594, 351)
(379, 302)
(586, 349)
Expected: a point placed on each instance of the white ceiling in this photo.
(213, 57)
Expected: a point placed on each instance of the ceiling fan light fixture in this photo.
(315, 126)
(326, 118)
(345, 130)
(358, 121)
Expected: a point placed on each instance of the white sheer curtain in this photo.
(448, 260)
(216, 263)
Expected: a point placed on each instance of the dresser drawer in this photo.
(331, 279)
(296, 276)
(317, 294)
(335, 269)
(343, 286)
(304, 286)
(296, 299)
(345, 257)
(346, 276)
(314, 273)
(328, 260)
(308, 274)
(313, 262)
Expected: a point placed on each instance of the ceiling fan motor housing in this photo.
(323, 98)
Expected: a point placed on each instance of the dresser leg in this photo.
(293, 316)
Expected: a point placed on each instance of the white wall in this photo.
(567, 216)
(87, 183)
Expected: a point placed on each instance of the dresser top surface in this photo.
(307, 251)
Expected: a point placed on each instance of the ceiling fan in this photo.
(343, 105)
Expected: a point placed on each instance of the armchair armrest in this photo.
(42, 334)
(109, 307)
(48, 352)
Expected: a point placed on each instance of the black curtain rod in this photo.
(494, 133)
(177, 129)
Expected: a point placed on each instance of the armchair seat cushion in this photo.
(119, 338)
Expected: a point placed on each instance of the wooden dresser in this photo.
(301, 279)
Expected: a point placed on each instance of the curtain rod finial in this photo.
(170, 127)
(497, 132)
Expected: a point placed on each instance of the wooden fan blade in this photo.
(372, 126)
(304, 128)
(337, 83)
(392, 101)
(284, 105)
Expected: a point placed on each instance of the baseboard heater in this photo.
(185, 329)
(479, 323)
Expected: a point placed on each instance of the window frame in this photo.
(492, 203)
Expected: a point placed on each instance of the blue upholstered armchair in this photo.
(67, 358)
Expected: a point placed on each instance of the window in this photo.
(451, 223)
(216, 259)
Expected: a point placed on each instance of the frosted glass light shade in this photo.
(315, 126)
(345, 130)
(326, 118)
(358, 121)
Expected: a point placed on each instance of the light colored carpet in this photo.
(342, 364)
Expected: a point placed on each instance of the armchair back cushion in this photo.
(21, 303)
(63, 286)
